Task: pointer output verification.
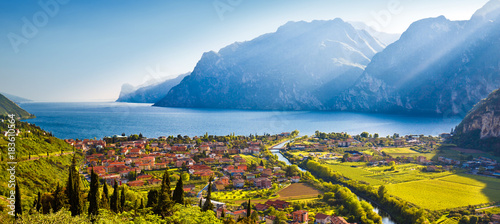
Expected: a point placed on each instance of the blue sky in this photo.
(76, 50)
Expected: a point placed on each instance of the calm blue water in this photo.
(89, 120)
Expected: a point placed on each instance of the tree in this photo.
(114, 205)
(164, 196)
(179, 192)
(122, 199)
(185, 177)
(375, 135)
(382, 191)
(105, 196)
(93, 196)
(208, 206)
(59, 199)
(39, 202)
(73, 192)
(152, 198)
(249, 209)
(18, 210)
(365, 134)
(254, 217)
(142, 204)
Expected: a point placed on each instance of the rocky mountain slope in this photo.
(438, 66)
(150, 93)
(481, 127)
(299, 67)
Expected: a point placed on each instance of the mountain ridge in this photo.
(285, 70)
(9, 107)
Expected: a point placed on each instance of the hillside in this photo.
(438, 66)
(480, 129)
(9, 107)
(40, 173)
(149, 93)
(298, 67)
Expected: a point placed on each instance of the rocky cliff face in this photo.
(481, 127)
(485, 116)
(298, 67)
(150, 93)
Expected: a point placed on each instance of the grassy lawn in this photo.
(448, 192)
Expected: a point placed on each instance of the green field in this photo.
(448, 192)
(406, 151)
(355, 171)
(250, 159)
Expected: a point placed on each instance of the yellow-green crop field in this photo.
(448, 192)
(250, 159)
(405, 151)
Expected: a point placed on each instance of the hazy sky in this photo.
(76, 50)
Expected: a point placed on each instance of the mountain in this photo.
(150, 93)
(481, 127)
(298, 67)
(9, 107)
(16, 99)
(438, 66)
(385, 38)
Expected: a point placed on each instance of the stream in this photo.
(386, 219)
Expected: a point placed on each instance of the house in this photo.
(338, 220)
(260, 168)
(188, 188)
(219, 185)
(278, 204)
(261, 207)
(136, 183)
(263, 182)
(238, 214)
(295, 179)
(300, 216)
(153, 182)
(321, 218)
(224, 180)
(111, 152)
(241, 172)
(238, 183)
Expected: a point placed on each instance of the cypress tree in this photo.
(39, 202)
(122, 199)
(152, 198)
(114, 205)
(179, 192)
(73, 190)
(105, 196)
(18, 210)
(249, 209)
(93, 194)
(208, 201)
(164, 196)
(58, 198)
(142, 204)
(200, 205)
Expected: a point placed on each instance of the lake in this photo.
(89, 120)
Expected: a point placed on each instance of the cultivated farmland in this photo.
(448, 192)
(298, 191)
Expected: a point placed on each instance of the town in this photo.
(243, 167)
